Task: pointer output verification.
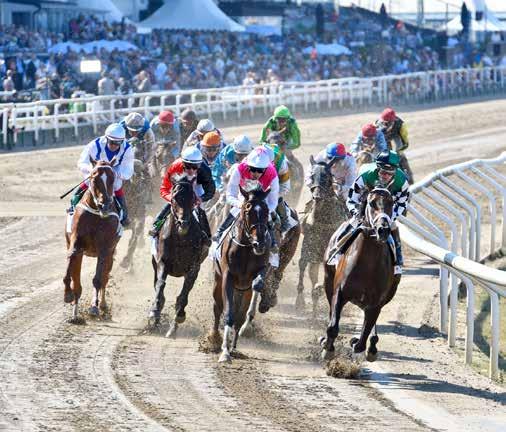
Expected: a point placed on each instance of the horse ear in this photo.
(311, 160)
(244, 193)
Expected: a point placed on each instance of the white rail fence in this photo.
(450, 200)
(74, 114)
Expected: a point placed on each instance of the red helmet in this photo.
(166, 117)
(369, 131)
(388, 115)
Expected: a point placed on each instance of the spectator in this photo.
(106, 85)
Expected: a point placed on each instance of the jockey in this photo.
(283, 122)
(342, 167)
(204, 126)
(210, 146)
(279, 161)
(192, 165)
(369, 138)
(385, 172)
(228, 156)
(257, 167)
(166, 129)
(396, 136)
(112, 147)
(189, 121)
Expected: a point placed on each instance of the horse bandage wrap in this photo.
(258, 283)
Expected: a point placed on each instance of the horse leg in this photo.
(126, 262)
(370, 318)
(218, 306)
(250, 314)
(97, 283)
(182, 301)
(105, 281)
(333, 328)
(73, 257)
(72, 295)
(372, 351)
(316, 288)
(228, 294)
(299, 301)
(159, 301)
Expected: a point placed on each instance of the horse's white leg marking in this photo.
(251, 312)
(225, 354)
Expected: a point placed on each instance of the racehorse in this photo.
(135, 196)
(365, 156)
(363, 276)
(325, 212)
(180, 251)
(287, 248)
(241, 268)
(296, 179)
(95, 233)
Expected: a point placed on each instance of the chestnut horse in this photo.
(95, 233)
(241, 268)
(180, 251)
(363, 276)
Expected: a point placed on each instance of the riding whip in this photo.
(73, 187)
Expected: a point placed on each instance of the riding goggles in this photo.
(114, 142)
(190, 166)
(388, 169)
(257, 170)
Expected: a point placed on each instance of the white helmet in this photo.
(205, 125)
(115, 132)
(134, 121)
(269, 151)
(242, 144)
(258, 158)
(191, 155)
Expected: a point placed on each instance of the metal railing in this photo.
(93, 112)
(450, 200)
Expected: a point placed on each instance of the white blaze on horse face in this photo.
(257, 209)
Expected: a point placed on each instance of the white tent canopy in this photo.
(328, 49)
(190, 15)
(488, 23)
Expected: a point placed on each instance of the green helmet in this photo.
(388, 160)
(282, 112)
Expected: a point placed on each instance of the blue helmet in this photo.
(335, 151)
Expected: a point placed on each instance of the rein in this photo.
(101, 214)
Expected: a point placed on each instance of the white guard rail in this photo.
(450, 201)
(95, 111)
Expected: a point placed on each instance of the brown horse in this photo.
(363, 276)
(242, 266)
(325, 212)
(135, 196)
(94, 233)
(287, 248)
(180, 252)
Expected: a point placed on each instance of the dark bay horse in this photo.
(325, 212)
(180, 252)
(94, 233)
(363, 276)
(241, 268)
(136, 198)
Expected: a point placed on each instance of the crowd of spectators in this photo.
(169, 59)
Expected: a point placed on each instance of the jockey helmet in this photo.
(258, 158)
(269, 151)
(335, 151)
(166, 117)
(369, 131)
(191, 155)
(115, 132)
(134, 121)
(388, 115)
(282, 112)
(242, 144)
(205, 125)
(188, 115)
(276, 138)
(387, 161)
(211, 139)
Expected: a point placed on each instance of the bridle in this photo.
(97, 210)
(373, 219)
(248, 228)
(180, 221)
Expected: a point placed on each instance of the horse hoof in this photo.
(180, 317)
(353, 341)
(263, 307)
(371, 357)
(76, 320)
(68, 297)
(225, 358)
(93, 311)
(171, 334)
(322, 340)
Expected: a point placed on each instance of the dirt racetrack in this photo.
(113, 376)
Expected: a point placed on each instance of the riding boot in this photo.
(122, 202)
(399, 261)
(159, 221)
(78, 194)
(283, 216)
(204, 225)
(223, 227)
(336, 252)
(274, 252)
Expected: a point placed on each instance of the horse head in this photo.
(378, 212)
(102, 184)
(182, 201)
(255, 216)
(321, 180)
